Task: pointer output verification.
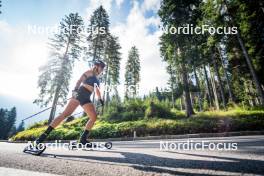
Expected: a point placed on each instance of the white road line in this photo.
(11, 172)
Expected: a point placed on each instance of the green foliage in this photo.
(135, 109)
(131, 109)
(104, 130)
(236, 119)
(205, 105)
(38, 124)
(231, 65)
(29, 134)
(158, 109)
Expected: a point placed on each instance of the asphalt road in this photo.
(241, 156)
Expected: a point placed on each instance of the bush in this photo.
(205, 104)
(137, 109)
(231, 105)
(29, 134)
(158, 110)
(104, 130)
(236, 119)
(133, 109)
(114, 113)
(38, 124)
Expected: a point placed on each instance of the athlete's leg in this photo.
(71, 106)
(89, 109)
(91, 113)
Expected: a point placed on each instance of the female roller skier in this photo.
(85, 86)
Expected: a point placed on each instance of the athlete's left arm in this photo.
(98, 93)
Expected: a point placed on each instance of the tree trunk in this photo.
(186, 92)
(172, 89)
(219, 80)
(172, 98)
(248, 60)
(247, 90)
(181, 103)
(214, 89)
(252, 70)
(230, 93)
(199, 89)
(191, 96)
(105, 94)
(208, 87)
(253, 97)
(54, 104)
(94, 58)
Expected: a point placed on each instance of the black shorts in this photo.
(83, 96)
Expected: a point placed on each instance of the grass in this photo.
(202, 122)
(235, 112)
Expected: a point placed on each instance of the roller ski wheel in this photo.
(108, 145)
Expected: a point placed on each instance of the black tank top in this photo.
(91, 80)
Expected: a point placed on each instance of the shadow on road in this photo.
(151, 163)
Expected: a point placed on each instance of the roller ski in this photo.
(35, 149)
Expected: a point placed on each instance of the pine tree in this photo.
(244, 15)
(98, 33)
(97, 39)
(179, 13)
(242, 44)
(55, 75)
(132, 75)
(11, 120)
(113, 57)
(7, 122)
(225, 70)
(3, 122)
